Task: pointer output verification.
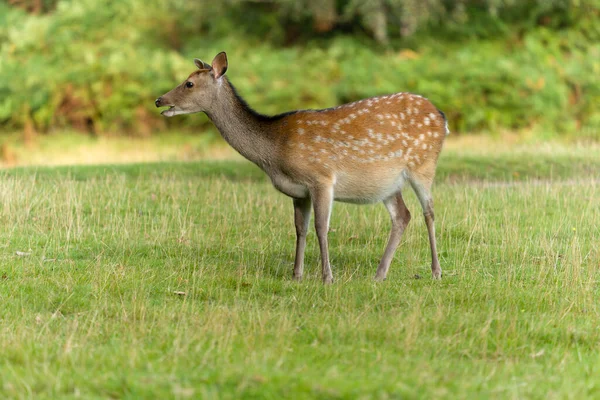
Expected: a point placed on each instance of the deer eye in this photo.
(189, 84)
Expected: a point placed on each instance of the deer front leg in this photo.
(301, 220)
(322, 198)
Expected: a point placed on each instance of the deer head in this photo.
(198, 92)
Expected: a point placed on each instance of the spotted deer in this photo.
(361, 152)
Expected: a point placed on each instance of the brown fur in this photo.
(362, 146)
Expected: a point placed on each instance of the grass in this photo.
(173, 281)
(72, 148)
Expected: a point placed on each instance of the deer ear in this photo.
(201, 64)
(219, 65)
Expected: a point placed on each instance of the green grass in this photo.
(94, 310)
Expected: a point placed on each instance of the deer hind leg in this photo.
(301, 220)
(322, 198)
(422, 187)
(400, 218)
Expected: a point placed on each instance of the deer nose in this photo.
(157, 101)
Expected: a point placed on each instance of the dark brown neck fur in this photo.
(250, 133)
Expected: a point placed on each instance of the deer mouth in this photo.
(171, 111)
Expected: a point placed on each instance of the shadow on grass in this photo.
(231, 170)
(451, 168)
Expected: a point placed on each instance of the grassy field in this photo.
(173, 280)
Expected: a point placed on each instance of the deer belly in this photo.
(368, 188)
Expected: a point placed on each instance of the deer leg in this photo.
(301, 220)
(400, 218)
(424, 194)
(322, 199)
(436, 270)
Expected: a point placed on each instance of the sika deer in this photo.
(362, 152)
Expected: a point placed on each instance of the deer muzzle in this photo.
(168, 112)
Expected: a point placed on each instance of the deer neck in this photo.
(248, 132)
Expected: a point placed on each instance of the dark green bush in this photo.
(97, 65)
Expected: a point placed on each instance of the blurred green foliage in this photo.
(97, 65)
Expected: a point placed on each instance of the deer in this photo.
(362, 152)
